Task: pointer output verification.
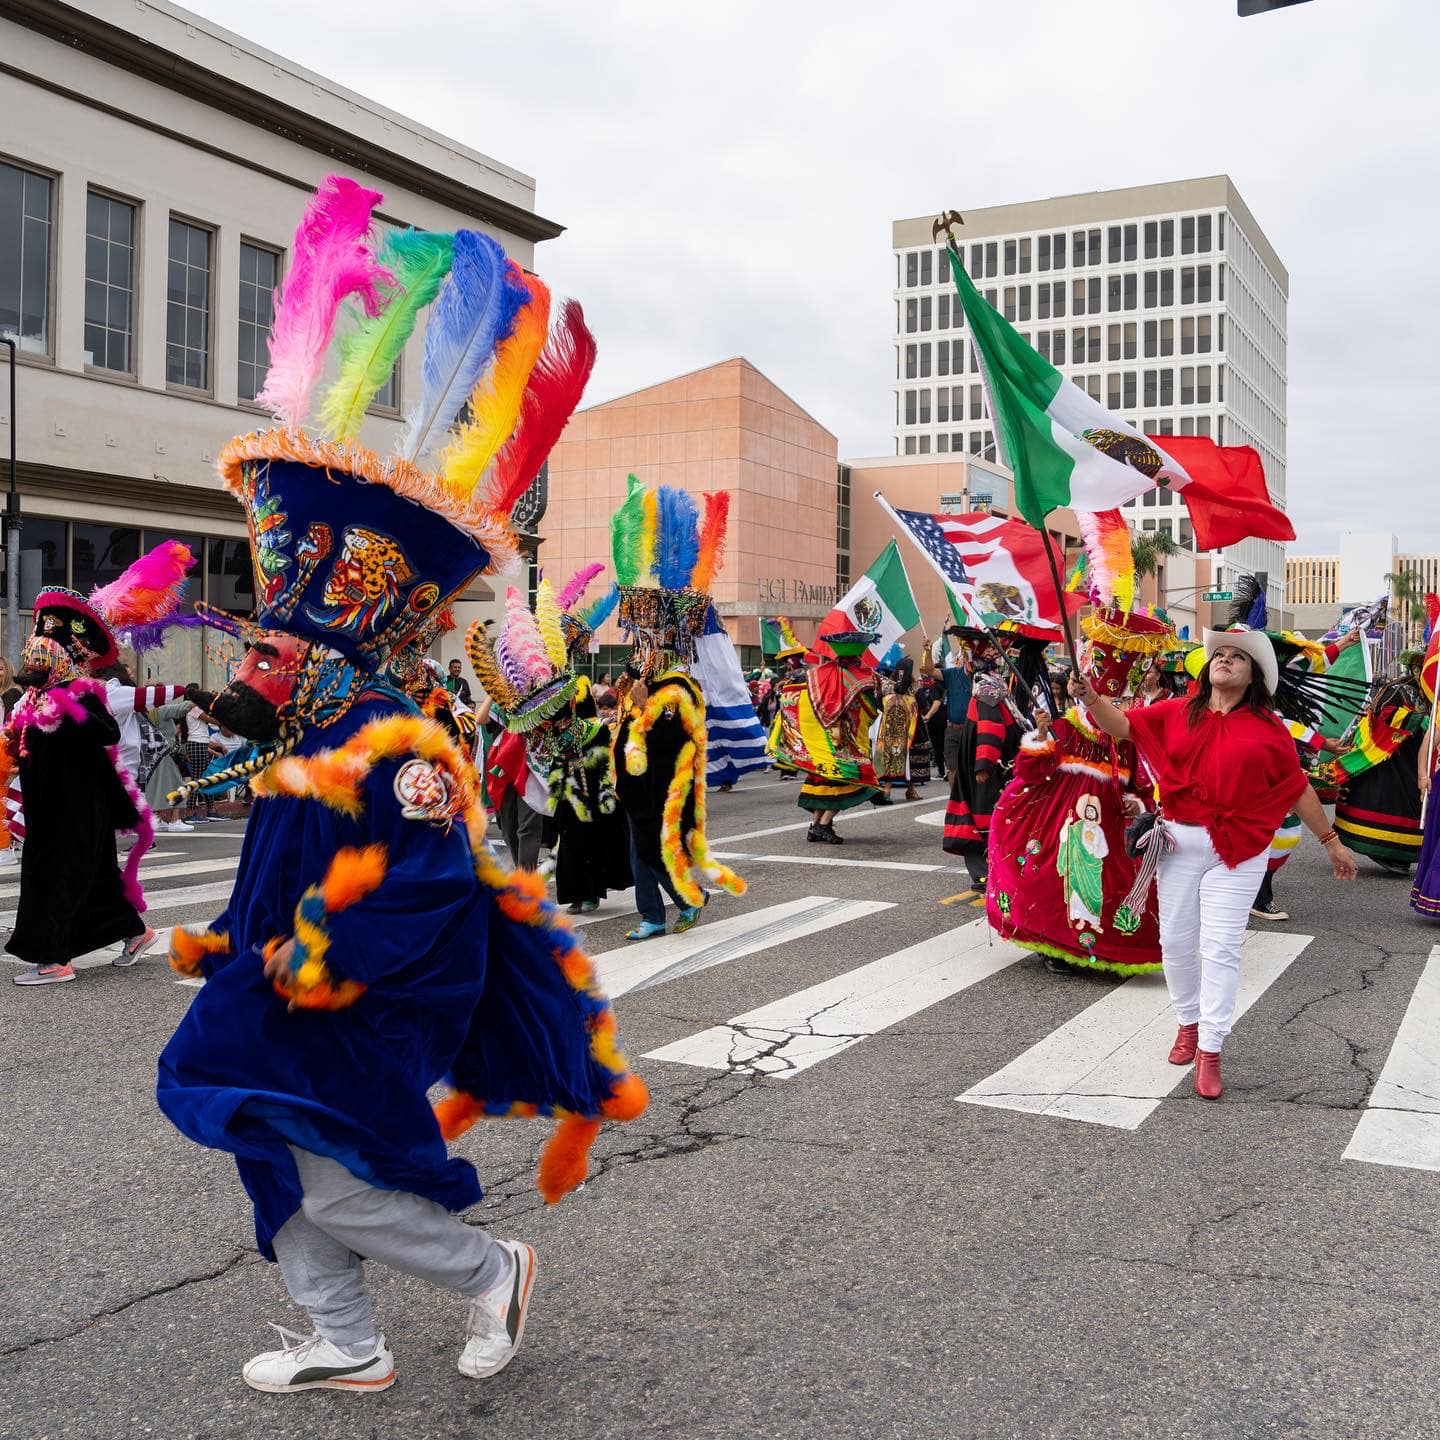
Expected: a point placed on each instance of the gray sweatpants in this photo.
(343, 1221)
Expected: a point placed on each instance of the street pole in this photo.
(12, 526)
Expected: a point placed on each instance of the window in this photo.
(924, 362)
(1187, 235)
(1112, 343)
(977, 262)
(1152, 289)
(1112, 294)
(1220, 386)
(1059, 249)
(912, 270)
(912, 316)
(1093, 348)
(1042, 302)
(925, 310)
(1092, 294)
(1202, 334)
(1058, 295)
(1167, 288)
(1128, 391)
(1202, 234)
(1202, 425)
(911, 361)
(990, 298)
(1025, 257)
(942, 358)
(1024, 302)
(1202, 284)
(910, 404)
(977, 402)
(1095, 247)
(1148, 499)
(1042, 344)
(1130, 337)
(1165, 427)
(259, 276)
(1113, 249)
(187, 307)
(1092, 387)
(1042, 261)
(926, 276)
(25, 229)
(99, 553)
(1167, 337)
(957, 406)
(109, 284)
(1152, 387)
(942, 444)
(1130, 291)
(1187, 336)
(1152, 239)
(1077, 305)
(1152, 339)
(1220, 282)
(924, 444)
(1112, 392)
(909, 444)
(1220, 230)
(1220, 336)
(1077, 345)
(1009, 302)
(1202, 384)
(1187, 285)
(1167, 387)
(942, 312)
(1130, 240)
(1187, 384)
(992, 255)
(1057, 347)
(1167, 238)
(1009, 257)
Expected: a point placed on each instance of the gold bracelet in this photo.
(1329, 835)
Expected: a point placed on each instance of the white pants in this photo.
(1203, 910)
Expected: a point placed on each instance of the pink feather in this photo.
(522, 641)
(149, 590)
(575, 586)
(330, 261)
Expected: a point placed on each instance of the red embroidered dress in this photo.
(1058, 867)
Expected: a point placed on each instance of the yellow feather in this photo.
(547, 619)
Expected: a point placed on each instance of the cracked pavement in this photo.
(843, 1251)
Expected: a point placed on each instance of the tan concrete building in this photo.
(726, 427)
(152, 172)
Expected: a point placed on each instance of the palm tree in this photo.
(1407, 601)
(1148, 548)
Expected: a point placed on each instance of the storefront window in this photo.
(229, 577)
(42, 559)
(99, 553)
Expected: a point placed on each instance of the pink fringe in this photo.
(149, 590)
(47, 710)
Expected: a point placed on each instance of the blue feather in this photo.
(475, 312)
(677, 547)
(892, 656)
(1256, 616)
(602, 609)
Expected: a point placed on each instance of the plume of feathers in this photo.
(330, 261)
(599, 611)
(1248, 605)
(677, 537)
(475, 312)
(1111, 564)
(521, 650)
(495, 401)
(417, 262)
(151, 589)
(577, 584)
(141, 638)
(1078, 571)
(547, 621)
(627, 536)
(712, 540)
(788, 638)
(486, 666)
(554, 390)
(1432, 614)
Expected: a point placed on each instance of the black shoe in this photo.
(828, 835)
(1268, 911)
(1056, 966)
(878, 800)
(815, 832)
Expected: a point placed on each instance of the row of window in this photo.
(114, 230)
(1198, 285)
(981, 442)
(1113, 245)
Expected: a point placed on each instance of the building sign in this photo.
(777, 590)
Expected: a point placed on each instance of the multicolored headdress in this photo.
(134, 609)
(665, 562)
(579, 623)
(526, 672)
(354, 550)
(1121, 640)
(790, 646)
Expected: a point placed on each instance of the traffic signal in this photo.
(1259, 7)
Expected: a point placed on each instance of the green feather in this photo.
(419, 260)
(627, 536)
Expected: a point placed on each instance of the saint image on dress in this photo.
(1080, 860)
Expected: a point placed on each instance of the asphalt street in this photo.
(808, 1234)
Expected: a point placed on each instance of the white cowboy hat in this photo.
(1255, 643)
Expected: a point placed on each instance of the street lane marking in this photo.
(155, 872)
(828, 859)
(643, 963)
(858, 813)
(790, 1035)
(94, 959)
(1108, 1065)
(160, 900)
(1401, 1122)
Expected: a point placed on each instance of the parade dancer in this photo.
(373, 944)
(822, 732)
(1061, 883)
(665, 561)
(1425, 893)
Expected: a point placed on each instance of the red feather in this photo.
(556, 385)
(712, 539)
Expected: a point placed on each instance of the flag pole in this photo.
(970, 610)
(1060, 596)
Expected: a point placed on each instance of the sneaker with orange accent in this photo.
(135, 947)
(46, 975)
(311, 1362)
(496, 1322)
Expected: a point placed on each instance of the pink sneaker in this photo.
(47, 975)
(134, 949)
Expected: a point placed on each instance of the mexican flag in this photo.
(880, 600)
(1065, 449)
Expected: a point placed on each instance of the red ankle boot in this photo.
(1207, 1074)
(1187, 1037)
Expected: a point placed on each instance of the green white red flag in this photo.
(880, 601)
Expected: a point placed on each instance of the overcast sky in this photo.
(728, 173)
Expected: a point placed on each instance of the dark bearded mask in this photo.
(252, 703)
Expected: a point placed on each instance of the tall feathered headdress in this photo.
(353, 549)
(526, 670)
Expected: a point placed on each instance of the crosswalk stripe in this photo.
(790, 1035)
(161, 899)
(94, 959)
(829, 859)
(850, 816)
(650, 962)
(155, 872)
(1401, 1123)
(1108, 1065)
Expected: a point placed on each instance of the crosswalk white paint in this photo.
(828, 859)
(97, 958)
(859, 813)
(790, 1035)
(1108, 1065)
(11, 891)
(161, 899)
(1401, 1123)
(667, 957)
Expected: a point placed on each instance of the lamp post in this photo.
(12, 525)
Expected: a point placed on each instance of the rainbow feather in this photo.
(577, 584)
(627, 543)
(520, 650)
(712, 539)
(329, 261)
(556, 385)
(150, 590)
(418, 262)
(649, 532)
(495, 402)
(474, 313)
(600, 610)
(677, 539)
(1111, 563)
(547, 621)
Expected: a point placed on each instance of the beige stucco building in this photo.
(726, 427)
(152, 172)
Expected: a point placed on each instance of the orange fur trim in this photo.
(353, 874)
(628, 1099)
(565, 1160)
(457, 1112)
(188, 948)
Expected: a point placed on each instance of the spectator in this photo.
(10, 692)
(458, 685)
(166, 774)
(198, 754)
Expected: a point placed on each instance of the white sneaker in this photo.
(496, 1322)
(310, 1362)
(175, 827)
(9, 857)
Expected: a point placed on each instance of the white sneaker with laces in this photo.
(311, 1362)
(496, 1322)
(176, 827)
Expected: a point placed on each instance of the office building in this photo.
(154, 167)
(1319, 587)
(1166, 303)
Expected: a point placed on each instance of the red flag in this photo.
(1226, 496)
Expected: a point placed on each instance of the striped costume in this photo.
(988, 742)
(822, 730)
